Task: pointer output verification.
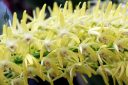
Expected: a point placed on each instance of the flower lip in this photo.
(47, 44)
(11, 44)
(16, 81)
(4, 64)
(46, 63)
(63, 32)
(30, 70)
(63, 52)
(28, 36)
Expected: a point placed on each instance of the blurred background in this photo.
(20, 5)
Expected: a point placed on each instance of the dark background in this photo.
(20, 5)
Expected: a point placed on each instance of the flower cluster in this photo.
(89, 42)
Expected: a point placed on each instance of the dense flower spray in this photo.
(86, 41)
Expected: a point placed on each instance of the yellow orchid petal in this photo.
(108, 10)
(42, 12)
(29, 59)
(70, 7)
(55, 9)
(14, 20)
(83, 9)
(61, 19)
(127, 70)
(24, 18)
(37, 11)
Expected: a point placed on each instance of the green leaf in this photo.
(18, 60)
(74, 49)
(46, 53)
(36, 54)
